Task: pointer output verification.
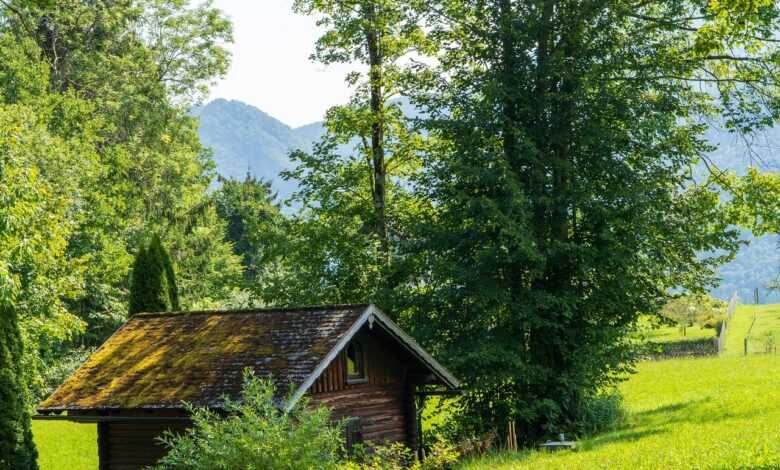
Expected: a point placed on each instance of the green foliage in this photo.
(357, 176)
(17, 449)
(96, 134)
(599, 413)
(562, 142)
(254, 224)
(398, 457)
(153, 287)
(255, 433)
(694, 309)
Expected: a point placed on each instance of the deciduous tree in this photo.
(567, 136)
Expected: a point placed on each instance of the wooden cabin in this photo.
(351, 358)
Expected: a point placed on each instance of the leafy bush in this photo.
(256, 434)
(603, 412)
(397, 457)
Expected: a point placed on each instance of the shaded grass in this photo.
(66, 446)
(714, 413)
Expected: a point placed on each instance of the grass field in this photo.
(66, 446)
(767, 321)
(674, 333)
(715, 413)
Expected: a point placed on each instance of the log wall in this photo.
(384, 404)
(132, 446)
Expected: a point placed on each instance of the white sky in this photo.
(271, 68)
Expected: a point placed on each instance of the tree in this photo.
(565, 136)
(144, 168)
(356, 177)
(376, 34)
(254, 223)
(17, 449)
(153, 287)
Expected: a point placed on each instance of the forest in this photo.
(548, 196)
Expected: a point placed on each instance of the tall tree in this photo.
(153, 287)
(356, 177)
(17, 449)
(254, 223)
(147, 170)
(567, 132)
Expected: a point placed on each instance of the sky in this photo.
(271, 68)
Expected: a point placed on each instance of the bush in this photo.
(397, 457)
(600, 413)
(256, 434)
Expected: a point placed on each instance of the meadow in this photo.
(713, 413)
(66, 446)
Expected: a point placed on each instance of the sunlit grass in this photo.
(66, 446)
(675, 333)
(767, 321)
(714, 413)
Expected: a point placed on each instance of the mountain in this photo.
(757, 264)
(245, 139)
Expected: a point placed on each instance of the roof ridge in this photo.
(246, 311)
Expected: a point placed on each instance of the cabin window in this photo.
(356, 363)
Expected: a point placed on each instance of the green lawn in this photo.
(66, 446)
(714, 413)
(767, 321)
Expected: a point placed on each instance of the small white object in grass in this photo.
(560, 444)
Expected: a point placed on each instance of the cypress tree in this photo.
(17, 449)
(153, 287)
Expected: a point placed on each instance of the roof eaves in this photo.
(417, 350)
(341, 344)
(369, 315)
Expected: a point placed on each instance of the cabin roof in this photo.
(160, 360)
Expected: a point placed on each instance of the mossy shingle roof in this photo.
(162, 360)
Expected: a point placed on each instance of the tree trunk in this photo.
(375, 77)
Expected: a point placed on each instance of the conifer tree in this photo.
(153, 287)
(17, 449)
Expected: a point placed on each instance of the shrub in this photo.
(255, 433)
(600, 413)
(397, 457)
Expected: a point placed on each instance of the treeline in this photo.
(542, 201)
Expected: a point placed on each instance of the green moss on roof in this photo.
(165, 359)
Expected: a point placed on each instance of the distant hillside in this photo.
(245, 138)
(758, 263)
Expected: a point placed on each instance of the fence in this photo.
(725, 325)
